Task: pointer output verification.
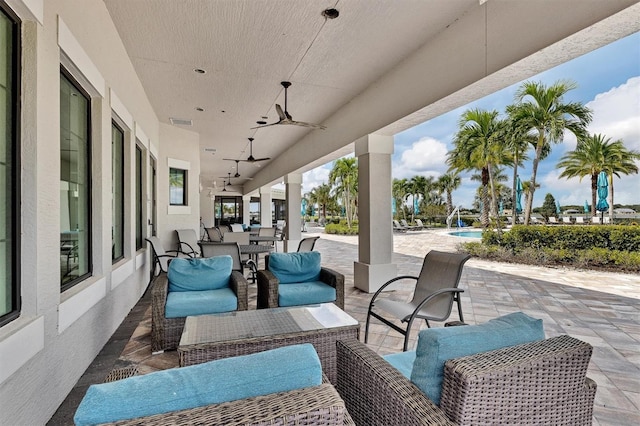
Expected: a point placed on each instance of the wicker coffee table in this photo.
(209, 337)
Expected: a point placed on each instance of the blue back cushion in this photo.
(209, 273)
(182, 304)
(295, 267)
(437, 345)
(402, 361)
(230, 379)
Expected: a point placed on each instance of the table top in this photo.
(259, 238)
(241, 325)
(254, 248)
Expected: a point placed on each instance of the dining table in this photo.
(254, 250)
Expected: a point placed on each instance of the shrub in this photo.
(341, 229)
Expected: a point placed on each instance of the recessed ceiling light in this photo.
(199, 70)
(199, 109)
(330, 13)
(261, 122)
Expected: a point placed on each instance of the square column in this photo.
(293, 193)
(246, 204)
(375, 239)
(265, 207)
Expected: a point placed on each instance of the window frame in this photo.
(139, 191)
(115, 259)
(64, 72)
(15, 181)
(185, 180)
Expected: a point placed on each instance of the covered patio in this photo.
(600, 308)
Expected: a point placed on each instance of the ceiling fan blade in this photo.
(308, 125)
(265, 125)
(261, 159)
(281, 114)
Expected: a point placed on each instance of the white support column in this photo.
(293, 193)
(375, 240)
(246, 204)
(265, 206)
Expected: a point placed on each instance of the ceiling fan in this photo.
(285, 117)
(251, 158)
(237, 175)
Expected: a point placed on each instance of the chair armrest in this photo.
(267, 289)
(335, 280)
(159, 290)
(313, 405)
(377, 394)
(240, 287)
(187, 250)
(433, 295)
(476, 388)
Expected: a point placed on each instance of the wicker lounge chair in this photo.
(543, 382)
(268, 285)
(436, 290)
(166, 332)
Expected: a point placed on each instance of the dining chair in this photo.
(436, 288)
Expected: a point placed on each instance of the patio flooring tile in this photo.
(600, 308)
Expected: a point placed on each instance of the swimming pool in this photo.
(467, 234)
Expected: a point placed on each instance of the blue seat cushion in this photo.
(306, 293)
(209, 273)
(295, 267)
(189, 303)
(230, 379)
(437, 345)
(402, 361)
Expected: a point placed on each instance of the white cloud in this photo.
(425, 157)
(314, 178)
(616, 113)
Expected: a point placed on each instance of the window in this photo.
(117, 192)
(75, 182)
(9, 166)
(177, 187)
(139, 192)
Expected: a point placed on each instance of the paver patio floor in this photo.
(598, 307)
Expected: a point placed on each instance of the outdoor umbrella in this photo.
(586, 206)
(603, 191)
(416, 210)
(303, 207)
(393, 206)
(558, 207)
(518, 195)
(500, 208)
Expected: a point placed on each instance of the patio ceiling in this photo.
(347, 73)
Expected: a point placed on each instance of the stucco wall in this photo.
(45, 351)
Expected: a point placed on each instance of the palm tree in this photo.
(418, 185)
(448, 183)
(479, 146)
(399, 189)
(593, 154)
(344, 177)
(542, 112)
(322, 196)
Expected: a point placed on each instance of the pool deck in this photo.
(601, 308)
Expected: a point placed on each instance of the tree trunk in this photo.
(594, 191)
(484, 218)
(494, 201)
(513, 192)
(534, 171)
(611, 203)
(449, 203)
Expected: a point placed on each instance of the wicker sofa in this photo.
(542, 382)
(166, 332)
(319, 405)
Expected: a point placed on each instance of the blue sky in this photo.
(608, 81)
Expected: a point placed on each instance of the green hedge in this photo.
(342, 228)
(614, 237)
(609, 247)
